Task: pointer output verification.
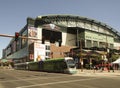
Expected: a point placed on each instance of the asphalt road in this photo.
(32, 79)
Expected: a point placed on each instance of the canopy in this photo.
(4, 60)
(117, 61)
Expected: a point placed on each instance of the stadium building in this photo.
(53, 35)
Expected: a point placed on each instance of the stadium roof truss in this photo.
(77, 21)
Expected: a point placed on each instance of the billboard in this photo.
(39, 51)
(32, 32)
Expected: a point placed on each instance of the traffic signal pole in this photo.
(5, 35)
(23, 37)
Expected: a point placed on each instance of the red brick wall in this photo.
(58, 52)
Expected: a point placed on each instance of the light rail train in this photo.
(61, 65)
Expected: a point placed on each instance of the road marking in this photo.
(21, 79)
(59, 82)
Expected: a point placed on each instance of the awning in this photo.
(102, 52)
(4, 60)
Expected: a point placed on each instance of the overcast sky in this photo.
(13, 13)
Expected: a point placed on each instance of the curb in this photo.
(97, 73)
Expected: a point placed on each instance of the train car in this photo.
(61, 65)
(21, 66)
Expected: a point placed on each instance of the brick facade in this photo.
(58, 52)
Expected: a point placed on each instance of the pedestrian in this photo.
(112, 67)
(94, 68)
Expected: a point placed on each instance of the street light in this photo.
(81, 59)
(107, 50)
(108, 60)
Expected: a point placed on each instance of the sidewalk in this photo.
(97, 73)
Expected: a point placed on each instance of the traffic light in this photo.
(16, 36)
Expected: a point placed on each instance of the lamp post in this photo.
(108, 60)
(107, 50)
(81, 59)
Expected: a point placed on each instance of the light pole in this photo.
(81, 59)
(108, 60)
(107, 55)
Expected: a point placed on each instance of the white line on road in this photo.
(26, 79)
(59, 82)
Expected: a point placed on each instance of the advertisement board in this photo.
(32, 32)
(39, 51)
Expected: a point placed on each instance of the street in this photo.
(32, 79)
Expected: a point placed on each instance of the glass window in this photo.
(47, 47)
(52, 36)
(111, 46)
(47, 53)
(88, 43)
(24, 41)
(95, 44)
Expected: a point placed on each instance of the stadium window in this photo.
(52, 36)
(47, 47)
